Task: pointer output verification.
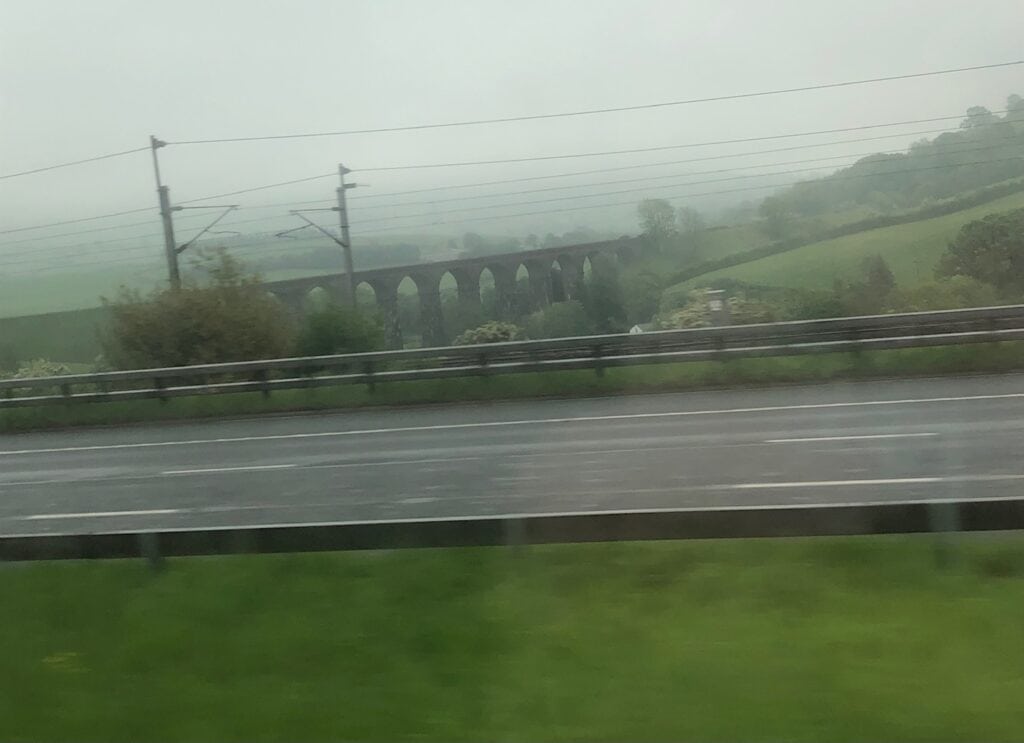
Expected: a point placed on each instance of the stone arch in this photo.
(460, 297)
(293, 299)
(504, 278)
(385, 291)
(539, 270)
(431, 312)
(408, 308)
(366, 297)
(556, 282)
(316, 299)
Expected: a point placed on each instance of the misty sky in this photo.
(84, 78)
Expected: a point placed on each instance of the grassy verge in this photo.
(844, 639)
(698, 375)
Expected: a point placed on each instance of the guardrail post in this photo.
(149, 547)
(65, 390)
(158, 385)
(597, 354)
(944, 522)
(371, 385)
(515, 533)
(261, 377)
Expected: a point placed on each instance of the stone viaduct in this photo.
(545, 283)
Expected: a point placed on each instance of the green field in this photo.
(911, 250)
(797, 640)
(47, 292)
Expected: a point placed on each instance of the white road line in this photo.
(830, 483)
(504, 424)
(579, 512)
(578, 494)
(218, 470)
(866, 437)
(98, 514)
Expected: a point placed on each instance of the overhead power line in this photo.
(633, 151)
(477, 197)
(644, 189)
(261, 188)
(73, 162)
(76, 221)
(614, 109)
(545, 158)
(603, 153)
(138, 251)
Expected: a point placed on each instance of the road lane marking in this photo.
(830, 483)
(100, 514)
(865, 437)
(499, 516)
(565, 495)
(218, 470)
(512, 423)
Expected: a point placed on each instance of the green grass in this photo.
(80, 288)
(798, 640)
(911, 250)
(696, 375)
(60, 336)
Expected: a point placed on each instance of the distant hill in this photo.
(987, 149)
(911, 250)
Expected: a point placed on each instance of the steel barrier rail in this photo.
(871, 518)
(922, 329)
(519, 367)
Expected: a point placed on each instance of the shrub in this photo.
(40, 368)
(559, 320)
(335, 330)
(491, 332)
(227, 318)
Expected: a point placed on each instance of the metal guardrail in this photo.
(913, 517)
(909, 330)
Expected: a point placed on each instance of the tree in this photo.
(777, 217)
(1014, 108)
(978, 116)
(490, 332)
(335, 329)
(990, 250)
(641, 296)
(873, 294)
(226, 317)
(657, 218)
(948, 294)
(474, 244)
(560, 320)
(690, 221)
(878, 276)
(602, 297)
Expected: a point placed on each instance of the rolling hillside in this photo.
(911, 251)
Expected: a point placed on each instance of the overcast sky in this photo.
(85, 78)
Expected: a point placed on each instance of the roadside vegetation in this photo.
(844, 639)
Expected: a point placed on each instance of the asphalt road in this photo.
(850, 442)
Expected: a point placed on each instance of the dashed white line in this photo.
(830, 483)
(512, 423)
(995, 477)
(865, 437)
(99, 514)
(218, 470)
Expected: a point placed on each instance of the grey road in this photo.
(851, 442)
